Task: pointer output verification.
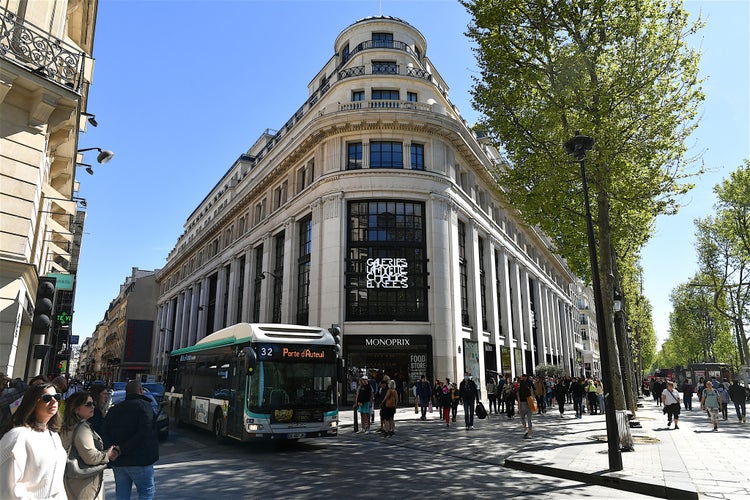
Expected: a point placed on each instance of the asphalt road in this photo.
(433, 461)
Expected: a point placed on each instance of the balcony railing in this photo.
(30, 46)
(384, 104)
(384, 69)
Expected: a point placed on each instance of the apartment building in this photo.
(45, 71)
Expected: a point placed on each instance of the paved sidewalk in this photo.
(690, 462)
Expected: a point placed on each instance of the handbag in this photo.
(531, 401)
(416, 406)
(75, 467)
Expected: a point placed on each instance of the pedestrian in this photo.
(423, 393)
(469, 394)
(32, 456)
(102, 400)
(738, 396)
(130, 426)
(591, 399)
(549, 383)
(499, 391)
(710, 403)
(525, 392)
(658, 389)
(509, 396)
(670, 398)
(388, 412)
(362, 402)
(700, 387)
(76, 432)
(687, 390)
(455, 401)
(540, 390)
(599, 395)
(446, 403)
(491, 387)
(723, 400)
(577, 392)
(560, 392)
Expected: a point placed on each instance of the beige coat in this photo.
(90, 447)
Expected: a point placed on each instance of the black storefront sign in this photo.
(404, 358)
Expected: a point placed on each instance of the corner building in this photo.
(374, 207)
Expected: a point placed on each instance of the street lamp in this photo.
(577, 147)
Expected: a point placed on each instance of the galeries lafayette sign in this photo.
(387, 273)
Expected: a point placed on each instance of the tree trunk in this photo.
(607, 331)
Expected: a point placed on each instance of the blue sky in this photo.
(183, 87)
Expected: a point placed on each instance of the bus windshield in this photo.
(281, 385)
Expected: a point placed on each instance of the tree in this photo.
(621, 72)
(723, 245)
(698, 332)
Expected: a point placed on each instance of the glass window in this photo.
(278, 271)
(386, 155)
(345, 53)
(382, 40)
(386, 274)
(465, 320)
(411, 96)
(384, 67)
(358, 95)
(381, 94)
(482, 285)
(258, 282)
(354, 156)
(417, 156)
(303, 270)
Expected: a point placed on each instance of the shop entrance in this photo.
(404, 359)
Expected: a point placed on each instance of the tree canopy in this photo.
(617, 70)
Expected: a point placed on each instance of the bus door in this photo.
(236, 409)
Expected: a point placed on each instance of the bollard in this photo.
(356, 424)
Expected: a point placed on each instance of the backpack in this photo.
(723, 395)
(480, 411)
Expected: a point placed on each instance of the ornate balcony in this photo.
(384, 69)
(42, 54)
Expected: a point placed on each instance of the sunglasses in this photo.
(48, 397)
(88, 404)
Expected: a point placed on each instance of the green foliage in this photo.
(617, 70)
(723, 246)
(698, 332)
(547, 370)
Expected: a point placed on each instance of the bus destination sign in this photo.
(295, 352)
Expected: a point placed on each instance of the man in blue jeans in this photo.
(131, 426)
(469, 393)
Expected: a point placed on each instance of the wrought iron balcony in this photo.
(42, 54)
(384, 69)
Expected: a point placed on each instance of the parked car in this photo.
(162, 419)
(156, 389)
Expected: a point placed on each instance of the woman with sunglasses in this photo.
(76, 431)
(32, 457)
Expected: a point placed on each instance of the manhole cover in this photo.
(636, 439)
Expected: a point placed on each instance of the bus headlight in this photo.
(254, 427)
(334, 424)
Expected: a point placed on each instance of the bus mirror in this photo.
(251, 359)
(340, 371)
(336, 332)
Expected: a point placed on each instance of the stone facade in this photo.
(374, 207)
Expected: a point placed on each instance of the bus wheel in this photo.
(219, 428)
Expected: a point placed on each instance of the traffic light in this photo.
(336, 332)
(45, 298)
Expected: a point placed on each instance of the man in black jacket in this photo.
(130, 425)
(469, 393)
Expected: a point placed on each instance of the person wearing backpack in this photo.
(710, 403)
(723, 400)
(738, 397)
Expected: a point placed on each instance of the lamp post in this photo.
(577, 146)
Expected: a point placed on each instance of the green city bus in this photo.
(257, 381)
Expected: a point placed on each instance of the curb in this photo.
(654, 490)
